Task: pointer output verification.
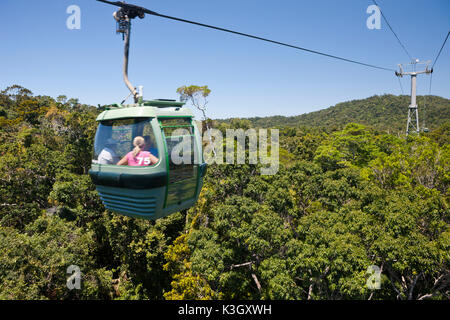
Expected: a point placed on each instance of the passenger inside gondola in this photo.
(138, 156)
(108, 154)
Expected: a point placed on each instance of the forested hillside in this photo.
(343, 200)
(386, 112)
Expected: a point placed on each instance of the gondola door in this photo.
(181, 159)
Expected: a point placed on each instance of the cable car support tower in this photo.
(413, 113)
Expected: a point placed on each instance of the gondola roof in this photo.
(146, 109)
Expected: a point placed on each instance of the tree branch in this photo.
(258, 285)
(313, 282)
(241, 265)
(413, 285)
(435, 287)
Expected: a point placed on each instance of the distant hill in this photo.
(386, 112)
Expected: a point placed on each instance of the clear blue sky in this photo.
(247, 77)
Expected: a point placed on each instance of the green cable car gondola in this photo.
(154, 191)
(169, 183)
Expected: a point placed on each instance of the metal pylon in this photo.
(413, 112)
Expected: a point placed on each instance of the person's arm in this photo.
(123, 161)
(153, 159)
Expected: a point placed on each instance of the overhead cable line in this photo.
(123, 5)
(442, 47)
(398, 39)
(431, 77)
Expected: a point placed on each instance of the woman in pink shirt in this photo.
(138, 157)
